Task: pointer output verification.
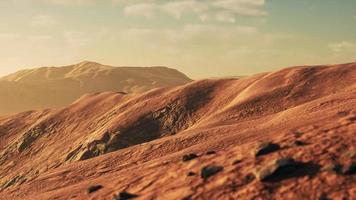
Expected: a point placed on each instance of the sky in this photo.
(202, 38)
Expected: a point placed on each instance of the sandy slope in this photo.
(54, 87)
(135, 142)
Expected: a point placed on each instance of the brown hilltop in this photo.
(54, 87)
(134, 143)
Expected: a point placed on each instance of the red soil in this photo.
(135, 142)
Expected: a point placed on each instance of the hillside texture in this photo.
(288, 134)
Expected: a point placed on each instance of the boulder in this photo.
(265, 148)
(278, 167)
(210, 152)
(189, 157)
(349, 168)
(210, 170)
(124, 196)
(94, 188)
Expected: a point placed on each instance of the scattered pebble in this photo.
(298, 143)
(332, 168)
(191, 174)
(347, 120)
(351, 118)
(351, 154)
(349, 168)
(323, 196)
(210, 152)
(298, 133)
(189, 157)
(237, 161)
(210, 170)
(266, 148)
(94, 188)
(124, 196)
(248, 178)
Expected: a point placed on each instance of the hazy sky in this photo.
(202, 38)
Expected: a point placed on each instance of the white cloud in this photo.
(222, 16)
(131, 2)
(178, 8)
(12, 37)
(243, 7)
(147, 10)
(42, 21)
(342, 46)
(223, 10)
(343, 51)
(57, 2)
(225, 17)
(8, 36)
(70, 2)
(190, 34)
(77, 38)
(205, 10)
(205, 17)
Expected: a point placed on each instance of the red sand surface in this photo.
(134, 143)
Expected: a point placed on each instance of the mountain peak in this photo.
(85, 67)
(87, 62)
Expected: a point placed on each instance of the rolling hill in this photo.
(288, 134)
(55, 87)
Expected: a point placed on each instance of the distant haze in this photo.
(202, 38)
(60, 86)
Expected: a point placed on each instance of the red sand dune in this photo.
(134, 143)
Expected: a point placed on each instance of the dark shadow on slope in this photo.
(294, 171)
(176, 116)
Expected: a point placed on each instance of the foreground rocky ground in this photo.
(283, 135)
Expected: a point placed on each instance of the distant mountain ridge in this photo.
(53, 87)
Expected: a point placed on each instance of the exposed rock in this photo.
(71, 156)
(124, 196)
(189, 157)
(275, 168)
(298, 143)
(265, 148)
(94, 148)
(332, 168)
(210, 152)
(323, 196)
(210, 170)
(248, 178)
(177, 115)
(351, 154)
(191, 174)
(349, 168)
(28, 139)
(237, 161)
(298, 133)
(347, 120)
(17, 180)
(2, 130)
(94, 188)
